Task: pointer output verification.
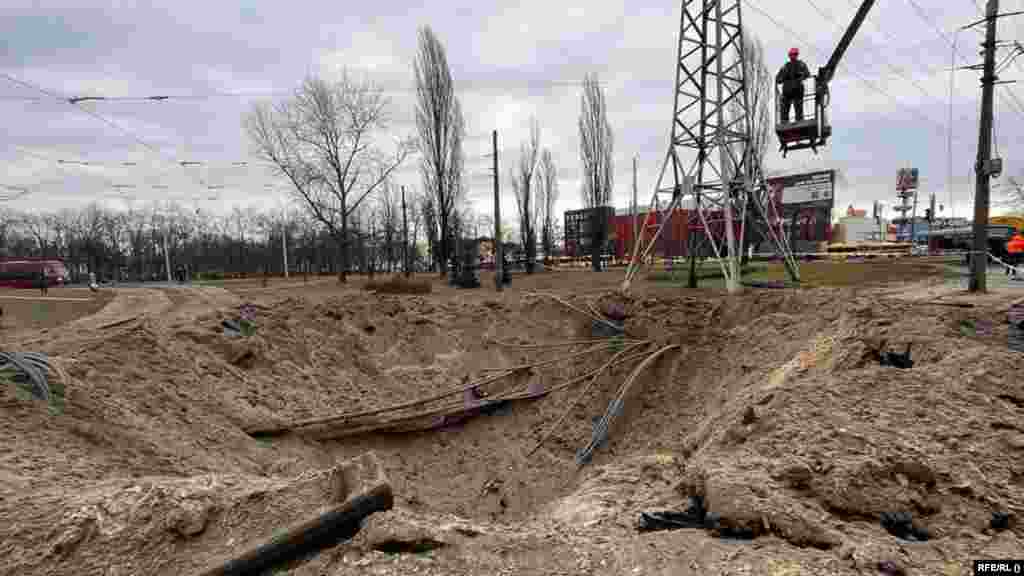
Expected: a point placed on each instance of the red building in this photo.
(673, 241)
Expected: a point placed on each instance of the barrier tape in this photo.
(1006, 265)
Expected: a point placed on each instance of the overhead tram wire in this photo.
(270, 93)
(60, 166)
(863, 80)
(78, 106)
(874, 49)
(913, 49)
(1009, 58)
(923, 15)
(64, 166)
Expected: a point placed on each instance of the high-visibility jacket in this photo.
(1016, 244)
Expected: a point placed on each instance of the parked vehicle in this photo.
(24, 272)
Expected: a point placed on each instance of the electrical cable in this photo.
(865, 81)
(271, 93)
(1016, 101)
(76, 104)
(924, 16)
(916, 53)
(874, 49)
(1008, 60)
(61, 166)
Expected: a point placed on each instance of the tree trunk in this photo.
(691, 281)
(442, 258)
(343, 246)
(595, 241)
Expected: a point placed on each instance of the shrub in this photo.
(399, 285)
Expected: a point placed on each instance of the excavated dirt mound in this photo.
(774, 410)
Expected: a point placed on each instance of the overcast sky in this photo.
(510, 61)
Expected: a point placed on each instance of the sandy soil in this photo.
(28, 309)
(772, 410)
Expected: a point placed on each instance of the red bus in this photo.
(24, 272)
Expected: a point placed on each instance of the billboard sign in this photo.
(811, 189)
(906, 179)
(804, 204)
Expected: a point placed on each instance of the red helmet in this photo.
(794, 51)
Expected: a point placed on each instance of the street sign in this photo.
(906, 179)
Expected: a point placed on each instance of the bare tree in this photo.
(428, 211)
(441, 129)
(8, 222)
(523, 184)
(596, 146)
(759, 84)
(415, 215)
(322, 141)
(389, 218)
(114, 226)
(38, 226)
(547, 197)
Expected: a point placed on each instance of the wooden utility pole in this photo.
(982, 167)
(405, 237)
(499, 250)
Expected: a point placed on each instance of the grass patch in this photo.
(399, 285)
(705, 271)
(814, 274)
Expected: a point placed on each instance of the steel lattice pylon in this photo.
(711, 128)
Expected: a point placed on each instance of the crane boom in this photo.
(826, 72)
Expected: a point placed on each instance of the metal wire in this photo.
(32, 365)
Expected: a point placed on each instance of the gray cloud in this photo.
(507, 59)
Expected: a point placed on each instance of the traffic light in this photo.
(928, 214)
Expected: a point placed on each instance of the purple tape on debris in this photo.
(472, 398)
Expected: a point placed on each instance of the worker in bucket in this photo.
(791, 77)
(1015, 255)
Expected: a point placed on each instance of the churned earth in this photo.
(772, 409)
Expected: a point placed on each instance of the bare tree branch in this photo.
(322, 141)
(547, 197)
(441, 128)
(596, 147)
(523, 178)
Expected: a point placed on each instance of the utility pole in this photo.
(405, 236)
(499, 250)
(913, 222)
(979, 256)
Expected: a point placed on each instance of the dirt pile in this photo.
(160, 393)
(816, 449)
(776, 412)
(153, 525)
